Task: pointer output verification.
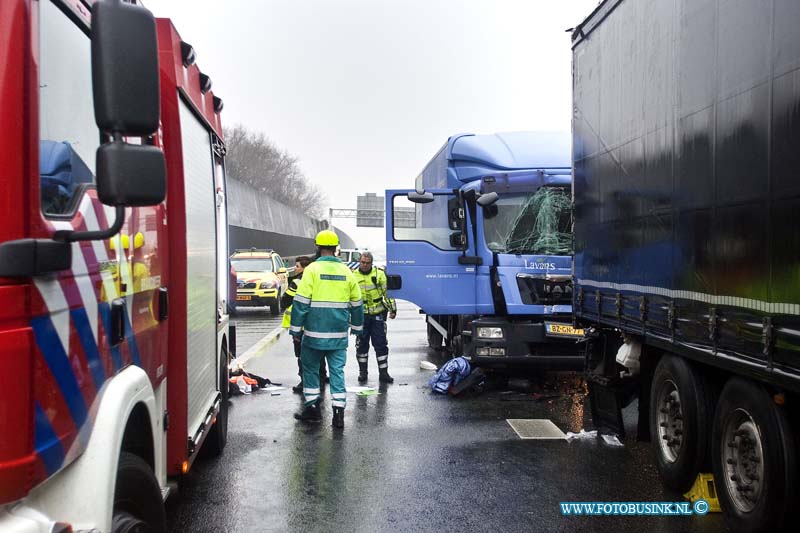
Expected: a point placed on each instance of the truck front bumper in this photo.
(526, 343)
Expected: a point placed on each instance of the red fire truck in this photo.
(114, 335)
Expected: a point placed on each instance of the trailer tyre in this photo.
(435, 338)
(218, 435)
(754, 457)
(137, 498)
(680, 418)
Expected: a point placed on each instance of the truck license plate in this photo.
(243, 297)
(562, 330)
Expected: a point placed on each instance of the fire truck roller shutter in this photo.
(201, 292)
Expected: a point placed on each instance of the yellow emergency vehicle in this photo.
(261, 278)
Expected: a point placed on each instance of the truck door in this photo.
(423, 248)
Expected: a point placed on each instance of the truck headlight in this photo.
(497, 351)
(490, 333)
(483, 350)
(267, 285)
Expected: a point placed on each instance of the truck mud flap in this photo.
(606, 400)
(232, 341)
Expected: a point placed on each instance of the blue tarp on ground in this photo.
(451, 373)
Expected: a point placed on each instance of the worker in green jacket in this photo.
(286, 302)
(326, 305)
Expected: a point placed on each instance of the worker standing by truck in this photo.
(327, 303)
(377, 305)
(286, 302)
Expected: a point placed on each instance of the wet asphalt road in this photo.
(253, 323)
(410, 460)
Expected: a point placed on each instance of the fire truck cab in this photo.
(114, 334)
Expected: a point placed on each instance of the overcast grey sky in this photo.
(364, 92)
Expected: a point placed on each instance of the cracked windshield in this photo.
(530, 223)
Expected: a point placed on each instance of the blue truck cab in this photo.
(483, 246)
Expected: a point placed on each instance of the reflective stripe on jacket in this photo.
(327, 303)
(373, 291)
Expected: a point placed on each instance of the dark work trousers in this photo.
(375, 329)
(323, 371)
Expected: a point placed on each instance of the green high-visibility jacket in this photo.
(373, 291)
(327, 303)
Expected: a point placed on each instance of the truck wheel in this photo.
(137, 498)
(434, 338)
(218, 435)
(754, 458)
(275, 308)
(680, 419)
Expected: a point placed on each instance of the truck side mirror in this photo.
(455, 213)
(125, 80)
(125, 68)
(394, 282)
(457, 240)
(487, 199)
(420, 198)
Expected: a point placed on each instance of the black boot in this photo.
(362, 372)
(310, 413)
(298, 388)
(338, 417)
(385, 377)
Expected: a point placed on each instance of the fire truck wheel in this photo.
(218, 435)
(137, 498)
(680, 420)
(755, 459)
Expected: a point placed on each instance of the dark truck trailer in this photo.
(686, 150)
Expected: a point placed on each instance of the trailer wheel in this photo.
(754, 458)
(218, 435)
(137, 498)
(680, 419)
(435, 338)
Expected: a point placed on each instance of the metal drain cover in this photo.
(539, 429)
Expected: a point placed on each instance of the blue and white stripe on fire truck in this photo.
(74, 323)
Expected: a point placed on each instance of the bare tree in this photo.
(253, 159)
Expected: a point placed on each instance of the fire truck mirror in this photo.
(131, 174)
(125, 69)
